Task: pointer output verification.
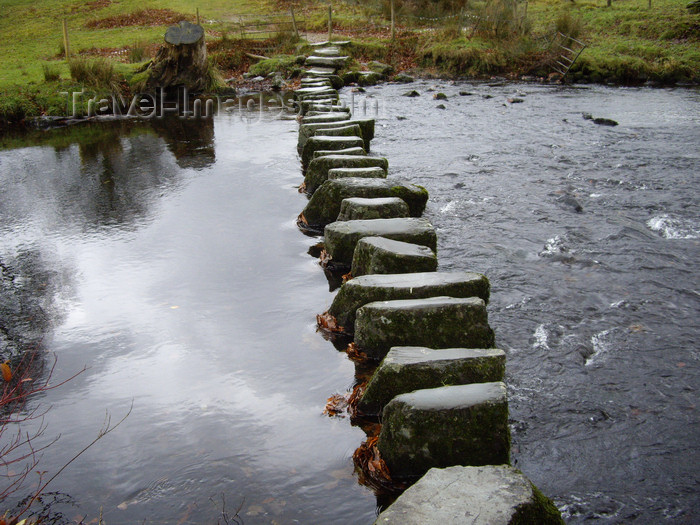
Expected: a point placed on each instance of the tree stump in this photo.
(182, 61)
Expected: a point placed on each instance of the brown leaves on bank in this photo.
(142, 17)
(326, 322)
(355, 353)
(324, 259)
(340, 405)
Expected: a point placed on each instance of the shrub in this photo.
(568, 25)
(138, 52)
(98, 73)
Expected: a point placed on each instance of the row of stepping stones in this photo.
(428, 328)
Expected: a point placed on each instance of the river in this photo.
(168, 261)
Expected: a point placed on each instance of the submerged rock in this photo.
(386, 255)
(386, 287)
(412, 93)
(358, 208)
(440, 96)
(443, 427)
(435, 322)
(486, 495)
(604, 121)
(409, 368)
(341, 237)
(403, 78)
(317, 174)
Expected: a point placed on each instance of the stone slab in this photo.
(358, 208)
(317, 174)
(325, 118)
(442, 427)
(341, 237)
(368, 173)
(309, 126)
(409, 368)
(486, 495)
(326, 62)
(387, 287)
(347, 151)
(435, 322)
(328, 143)
(386, 255)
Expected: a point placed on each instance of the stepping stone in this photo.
(315, 90)
(317, 174)
(446, 426)
(330, 51)
(326, 62)
(311, 124)
(328, 117)
(324, 205)
(341, 237)
(349, 130)
(409, 368)
(316, 108)
(333, 42)
(387, 287)
(366, 173)
(487, 495)
(386, 255)
(320, 71)
(435, 322)
(328, 143)
(358, 208)
(347, 151)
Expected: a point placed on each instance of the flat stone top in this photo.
(329, 51)
(398, 247)
(413, 280)
(418, 304)
(315, 89)
(405, 355)
(343, 158)
(331, 116)
(486, 495)
(315, 57)
(452, 397)
(379, 226)
(367, 201)
(337, 129)
(320, 70)
(362, 200)
(323, 139)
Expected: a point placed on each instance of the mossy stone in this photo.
(358, 208)
(386, 287)
(346, 151)
(443, 427)
(409, 368)
(341, 237)
(367, 173)
(328, 143)
(387, 255)
(311, 124)
(484, 495)
(435, 322)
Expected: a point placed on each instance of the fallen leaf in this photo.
(6, 372)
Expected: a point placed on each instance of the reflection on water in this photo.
(179, 278)
(167, 260)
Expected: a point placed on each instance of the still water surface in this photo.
(178, 277)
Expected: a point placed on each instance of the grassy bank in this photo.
(629, 42)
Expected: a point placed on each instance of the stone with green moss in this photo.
(341, 237)
(349, 130)
(335, 62)
(435, 322)
(328, 51)
(386, 255)
(347, 151)
(387, 287)
(484, 495)
(443, 427)
(321, 107)
(307, 92)
(311, 124)
(328, 143)
(358, 208)
(326, 118)
(317, 174)
(403, 78)
(368, 173)
(369, 78)
(320, 72)
(409, 368)
(379, 67)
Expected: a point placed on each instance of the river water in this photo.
(167, 260)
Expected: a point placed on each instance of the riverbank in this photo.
(628, 43)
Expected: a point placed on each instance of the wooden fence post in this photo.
(393, 25)
(66, 41)
(294, 22)
(330, 23)
(198, 16)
